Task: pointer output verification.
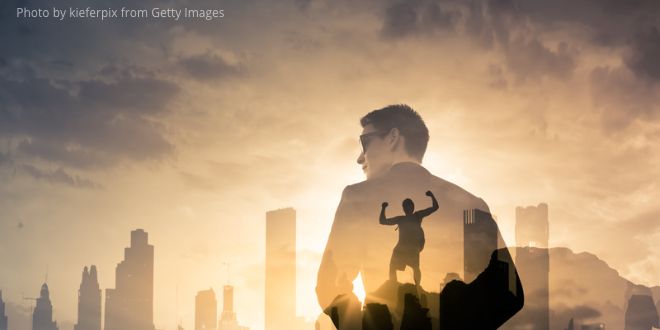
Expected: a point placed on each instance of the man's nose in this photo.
(360, 159)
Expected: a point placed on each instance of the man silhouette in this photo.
(411, 236)
(393, 141)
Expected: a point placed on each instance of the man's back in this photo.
(358, 243)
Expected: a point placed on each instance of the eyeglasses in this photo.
(365, 138)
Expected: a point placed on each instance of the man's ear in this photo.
(393, 138)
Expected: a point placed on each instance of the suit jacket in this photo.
(359, 244)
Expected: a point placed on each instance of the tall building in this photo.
(280, 269)
(533, 263)
(206, 310)
(532, 226)
(228, 319)
(3, 316)
(641, 313)
(479, 242)
(42, 317)
(89, 301)
(129, 306)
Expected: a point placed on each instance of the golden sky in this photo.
(193, 130)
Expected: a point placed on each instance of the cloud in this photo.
(537, 38)
(407, 18)
(621, 98)
(533, 59)
(208, 67)
(73, 156)
(497, 25)
(59, 176)
(643, 55)
(84, 123)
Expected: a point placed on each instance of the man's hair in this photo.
(409, 123)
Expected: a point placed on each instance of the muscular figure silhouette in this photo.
(411, 236)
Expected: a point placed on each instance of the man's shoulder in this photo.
(454, 193)
(444, 190)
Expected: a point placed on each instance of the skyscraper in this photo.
(641, 313)
(42, 317)
(228, 319)
(280, 269)
(3, 316)
(89, 301)
(479, 242)
(129, 306)
(206, 310)
(532, 226)
(533, 263)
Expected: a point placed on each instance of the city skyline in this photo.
(192, 130)
(532, 221)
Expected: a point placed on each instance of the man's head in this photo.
(391, 135)
(408, 206)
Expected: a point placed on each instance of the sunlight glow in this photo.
(358, 288)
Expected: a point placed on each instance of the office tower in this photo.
(479, 242)
(42, 317)
(129, 306)
(3, 316)
(228, 319)
(533, 264)
(206, 310)
(532, 226)
(89, 301)
(280, 269)
(641, 313)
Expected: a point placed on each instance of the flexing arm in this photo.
(433, 208)
(384, 220)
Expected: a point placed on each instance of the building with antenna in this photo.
(228, 319)
(42, 316)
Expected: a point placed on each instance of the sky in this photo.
(192, 130)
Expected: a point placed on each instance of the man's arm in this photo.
(341, 260)
(385, 221)
(426, 212)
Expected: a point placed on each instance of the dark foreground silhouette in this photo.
(485, 303)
